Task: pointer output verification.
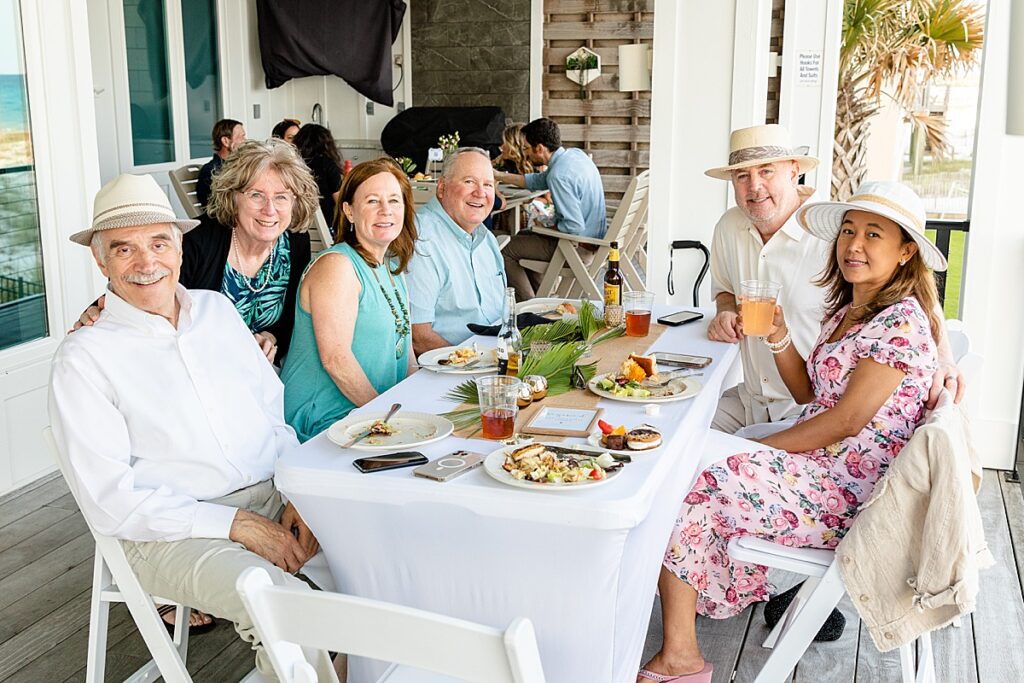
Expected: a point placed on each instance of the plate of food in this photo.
(404, 430)
(460, 360)
(637, 381)
(621, 440)
(550, 307)
(552, 466)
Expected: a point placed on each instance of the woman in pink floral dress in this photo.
(864, 387)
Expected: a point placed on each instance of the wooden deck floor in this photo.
(46, 567)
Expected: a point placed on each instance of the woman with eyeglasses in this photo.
(252, 243)
(353, 335)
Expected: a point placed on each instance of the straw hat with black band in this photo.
(894, 201)
(760, 145)
(129, 201)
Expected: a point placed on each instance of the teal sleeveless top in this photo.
(312, 401)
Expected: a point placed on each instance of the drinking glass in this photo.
(757, 305)
(498, 409)
(638, 312)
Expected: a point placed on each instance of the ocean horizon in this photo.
(13, 103)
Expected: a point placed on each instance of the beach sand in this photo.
(15, 148)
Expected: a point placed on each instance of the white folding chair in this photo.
(566, 271)
(817, 597)
(114, 581)
(320, 235)
(416, 642)
(184, 181)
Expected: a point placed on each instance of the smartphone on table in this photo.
(391, 461)
(682, 360)
(449, 466)
(680, 318)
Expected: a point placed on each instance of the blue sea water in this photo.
(13, 105)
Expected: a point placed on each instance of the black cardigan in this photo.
(205, 251)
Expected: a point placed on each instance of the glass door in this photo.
(22, 295)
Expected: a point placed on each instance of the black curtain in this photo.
(347, 38)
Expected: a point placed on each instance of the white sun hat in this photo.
(759, 145)
(128, 201)
(894, 201)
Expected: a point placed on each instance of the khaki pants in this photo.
(529, 247)
(201, 573)
(751, 419)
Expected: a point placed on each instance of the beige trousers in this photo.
(201, 573)
(527, 246)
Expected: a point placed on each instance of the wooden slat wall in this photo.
(613, 126)
(775, 81)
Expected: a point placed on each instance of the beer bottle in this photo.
(509, 340)
(613, 278)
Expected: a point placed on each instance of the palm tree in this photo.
(893, 48)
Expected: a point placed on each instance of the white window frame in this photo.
(175, 40)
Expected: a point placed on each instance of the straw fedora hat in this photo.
(128, 201)
(761, 145)
(894, 201)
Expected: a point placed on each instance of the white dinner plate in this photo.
(595, 440)
(693, 388)
(494, 461)
(429, 361)
(545, 305)
(411, 429)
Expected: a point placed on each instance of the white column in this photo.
(993, 306)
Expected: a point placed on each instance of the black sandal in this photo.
(195, 630)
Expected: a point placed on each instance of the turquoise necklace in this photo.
(401, 321)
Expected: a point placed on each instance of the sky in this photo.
(9, 47)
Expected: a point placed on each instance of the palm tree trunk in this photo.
(849, 162)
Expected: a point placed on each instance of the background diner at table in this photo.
(353, 335)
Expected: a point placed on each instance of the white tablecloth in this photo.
(582, 565)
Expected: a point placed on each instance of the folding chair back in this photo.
(632, 211)
(288, 619)
(184, 180)
(319, 234)
(114, 581)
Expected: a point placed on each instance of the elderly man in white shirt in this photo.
(760, 239)
(171, 420)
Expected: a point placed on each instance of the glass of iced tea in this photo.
(638, 312)
(757, 305)
(498, 407)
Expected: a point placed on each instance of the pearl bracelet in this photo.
(779, 346)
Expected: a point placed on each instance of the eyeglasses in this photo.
(258, 200)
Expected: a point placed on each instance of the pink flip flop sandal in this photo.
(702, 676)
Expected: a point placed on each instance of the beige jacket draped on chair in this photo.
(911, 561)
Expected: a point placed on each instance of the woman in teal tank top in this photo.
(353, 336)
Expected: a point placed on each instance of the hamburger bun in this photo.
(646, 363)
(643, 439)
(565, 308)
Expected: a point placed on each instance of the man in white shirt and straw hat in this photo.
(760, 239)
(171, 421)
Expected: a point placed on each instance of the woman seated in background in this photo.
(251, 244)
(864, 386)
(286, 130)
(316, 145)
(352, 336)
(540, 212)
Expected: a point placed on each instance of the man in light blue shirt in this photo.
(456, 276)
(576, 191)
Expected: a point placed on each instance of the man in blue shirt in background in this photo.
(576, 191)
(456, 275)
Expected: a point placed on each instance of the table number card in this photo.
(558, 421)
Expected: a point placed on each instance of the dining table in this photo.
(581, 564)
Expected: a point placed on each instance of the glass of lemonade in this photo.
(497, 394)
(638, 312)
(757, 305)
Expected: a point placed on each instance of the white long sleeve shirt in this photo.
(792, 258)
(154, 420)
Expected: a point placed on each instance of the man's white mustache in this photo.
(146, 278)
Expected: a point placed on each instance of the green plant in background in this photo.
(570, 341)
(448, 143)
(407, 164)
(579, 65)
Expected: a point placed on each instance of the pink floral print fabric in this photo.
(805, 499)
